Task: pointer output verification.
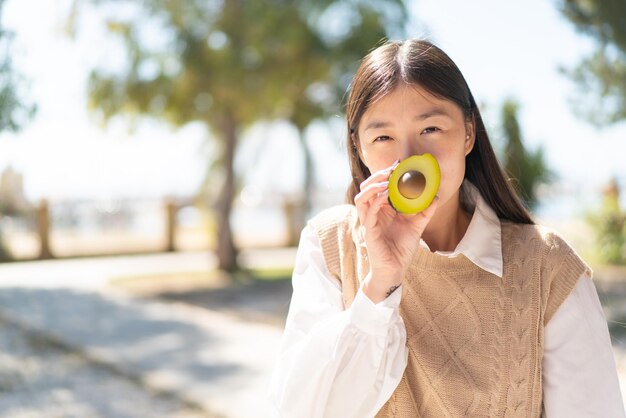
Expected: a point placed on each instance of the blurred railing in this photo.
(106, 227)
(75, 228)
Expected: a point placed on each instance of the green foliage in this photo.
(527, 169)
(256, 60)
(14, 113)
(601, 77)
(231, 63)
(609, 224)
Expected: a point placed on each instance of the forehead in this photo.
(412, 102)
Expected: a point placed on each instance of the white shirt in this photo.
(343, 363)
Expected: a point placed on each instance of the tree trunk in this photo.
(298, 210)
(309, 179)
(5, 254)
(226, 251)
(43, 227)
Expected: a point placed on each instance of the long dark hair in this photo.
(418, 62)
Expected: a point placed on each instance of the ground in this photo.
(43, 379)
(258, 299)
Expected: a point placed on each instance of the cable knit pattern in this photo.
(475, 340)
(522, 249)
(502, 305)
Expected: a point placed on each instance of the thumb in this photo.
(431, 209)
(422, 219)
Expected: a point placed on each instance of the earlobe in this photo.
(470, 139)
(469, 144)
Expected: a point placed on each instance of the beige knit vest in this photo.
(475, 340)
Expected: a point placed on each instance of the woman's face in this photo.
(411, 121)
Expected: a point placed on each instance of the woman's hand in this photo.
(391, 238)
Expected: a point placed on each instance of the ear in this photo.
(356, 145)
(470, 137)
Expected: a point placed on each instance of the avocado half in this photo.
(414, 183)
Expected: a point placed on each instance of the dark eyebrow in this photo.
(376, 124)
(436, 111)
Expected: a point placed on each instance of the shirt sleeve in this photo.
(335, 362)
(579, 371)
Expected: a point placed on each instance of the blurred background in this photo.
(158, 160)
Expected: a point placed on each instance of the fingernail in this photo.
(392, 166)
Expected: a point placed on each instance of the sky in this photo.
(504, 49)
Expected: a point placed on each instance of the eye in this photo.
(431, 130)
(382, 138)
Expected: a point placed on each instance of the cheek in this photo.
(376, 161)
(452, 166)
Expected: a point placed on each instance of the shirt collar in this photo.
(482, 242)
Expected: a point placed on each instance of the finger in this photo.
(370, 191)
(420, 220)
(371, 217)
(361, 210)
(431, 209)
(369, 186)
(363, 199)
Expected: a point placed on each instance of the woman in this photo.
(465, 309)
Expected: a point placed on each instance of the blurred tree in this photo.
(527, 169)
(362, 25)
(230, 63)
(14, 112)
(609, 224)
(601, 77)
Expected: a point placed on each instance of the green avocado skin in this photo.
(426, 164)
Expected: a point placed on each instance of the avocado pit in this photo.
(412, 184)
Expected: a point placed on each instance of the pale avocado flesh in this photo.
(414, 183)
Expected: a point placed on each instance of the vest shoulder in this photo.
(549, 239)
(334, 217)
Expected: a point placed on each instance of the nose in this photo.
(412, 147)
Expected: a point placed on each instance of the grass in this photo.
(279, 273)
(256, 295)
(190, 281)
